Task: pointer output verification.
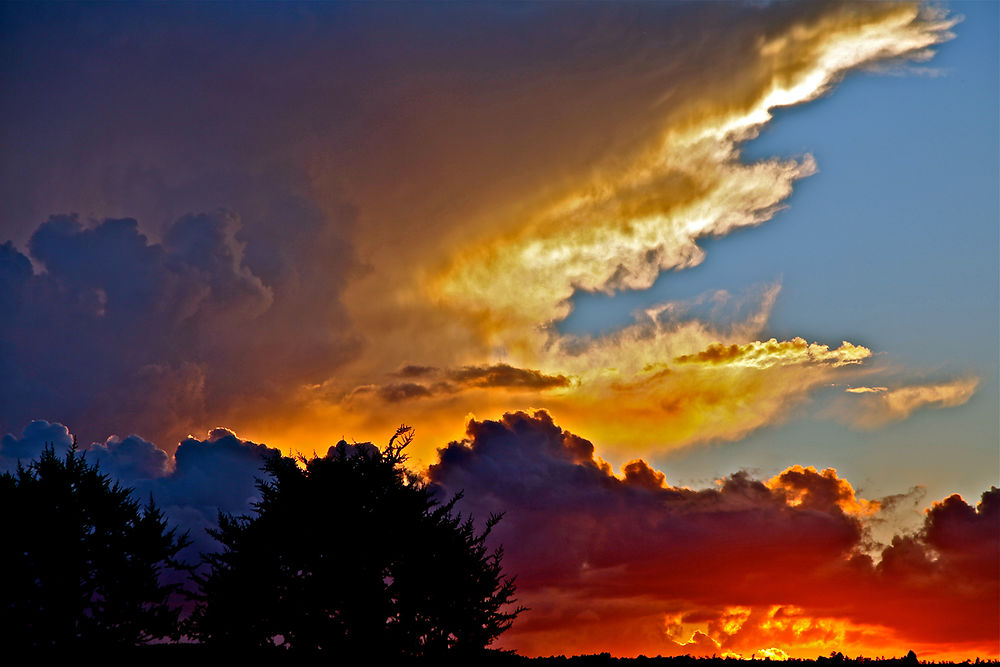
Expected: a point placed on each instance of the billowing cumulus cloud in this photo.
(130, 458)
(113, 330)
(633, 564)
(34, 438)
(199, 480)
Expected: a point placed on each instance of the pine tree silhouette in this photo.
(352, 555)
(82, 561)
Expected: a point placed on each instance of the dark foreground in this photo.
(192, 655)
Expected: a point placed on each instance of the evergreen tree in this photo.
(351, 554)
(82, 560)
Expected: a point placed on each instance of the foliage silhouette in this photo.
(351, 554)
(82, 561)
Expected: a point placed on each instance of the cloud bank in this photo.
(631, 564)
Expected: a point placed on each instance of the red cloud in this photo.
(751, 565)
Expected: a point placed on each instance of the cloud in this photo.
(769, 353)
(34, 438)
(624, 222)
(413, 371)
(451, 381)
(430, 201)
(131, 458)
(877, 406)
(505, 375)
(620, 230)
(807, 487)
(168, 333)
(201, 478)
(750, 565)
(402, 391)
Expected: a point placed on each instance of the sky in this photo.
(703, 296)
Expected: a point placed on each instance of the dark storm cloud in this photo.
(201, 479)
(415, 371)
(402, 391)
(114, 330)
(505, 375)
(574, 532)
(34, 438)
(217, 474)
(131, 458)
(550, 483)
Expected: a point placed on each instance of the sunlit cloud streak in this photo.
(877, 406)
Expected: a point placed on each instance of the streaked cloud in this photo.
(769, 353)
(877, 406)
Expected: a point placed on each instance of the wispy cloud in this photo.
(877, 406)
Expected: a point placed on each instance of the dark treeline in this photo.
(192, 655)
(348, 555)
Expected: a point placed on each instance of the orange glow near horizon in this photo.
(778, 632)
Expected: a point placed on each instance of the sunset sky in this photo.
(704, 296)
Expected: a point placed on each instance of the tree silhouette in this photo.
(352, 554)
(81, 559)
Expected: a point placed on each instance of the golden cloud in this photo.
(485, 290)
(877, 406)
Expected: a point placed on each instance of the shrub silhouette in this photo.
(352, 555)
(81, 560)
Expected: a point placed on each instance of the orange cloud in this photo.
(769, 353)
(809, 488)
(636, 565)
(877, 406)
